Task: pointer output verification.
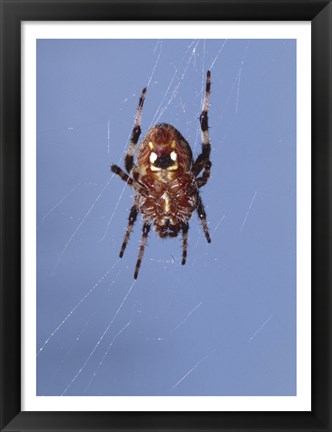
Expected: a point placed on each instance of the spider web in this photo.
(99, 332)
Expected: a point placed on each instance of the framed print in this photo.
(165, 215)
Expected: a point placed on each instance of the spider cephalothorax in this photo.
(165, 179)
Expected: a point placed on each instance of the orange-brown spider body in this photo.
(164, 161)
(166, 179)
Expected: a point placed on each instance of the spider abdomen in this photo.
(169, 205)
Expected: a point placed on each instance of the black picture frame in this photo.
(13, 12)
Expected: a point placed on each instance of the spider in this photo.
(166, 179)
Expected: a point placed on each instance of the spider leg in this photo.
(138, 187)
(135, 134)
(185, 228)
(146, 229)
(203, 160)
(202, 180)
(131, 220)
(125, 177)
(202, 216)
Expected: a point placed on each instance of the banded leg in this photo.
(185, 228)
(135, 134)
(131, 220)
(202, 161)
(146, 229)
(202, 216)
(125, 177)
(202, 180)
(134, 183)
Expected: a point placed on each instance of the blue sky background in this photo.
(223, 324)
